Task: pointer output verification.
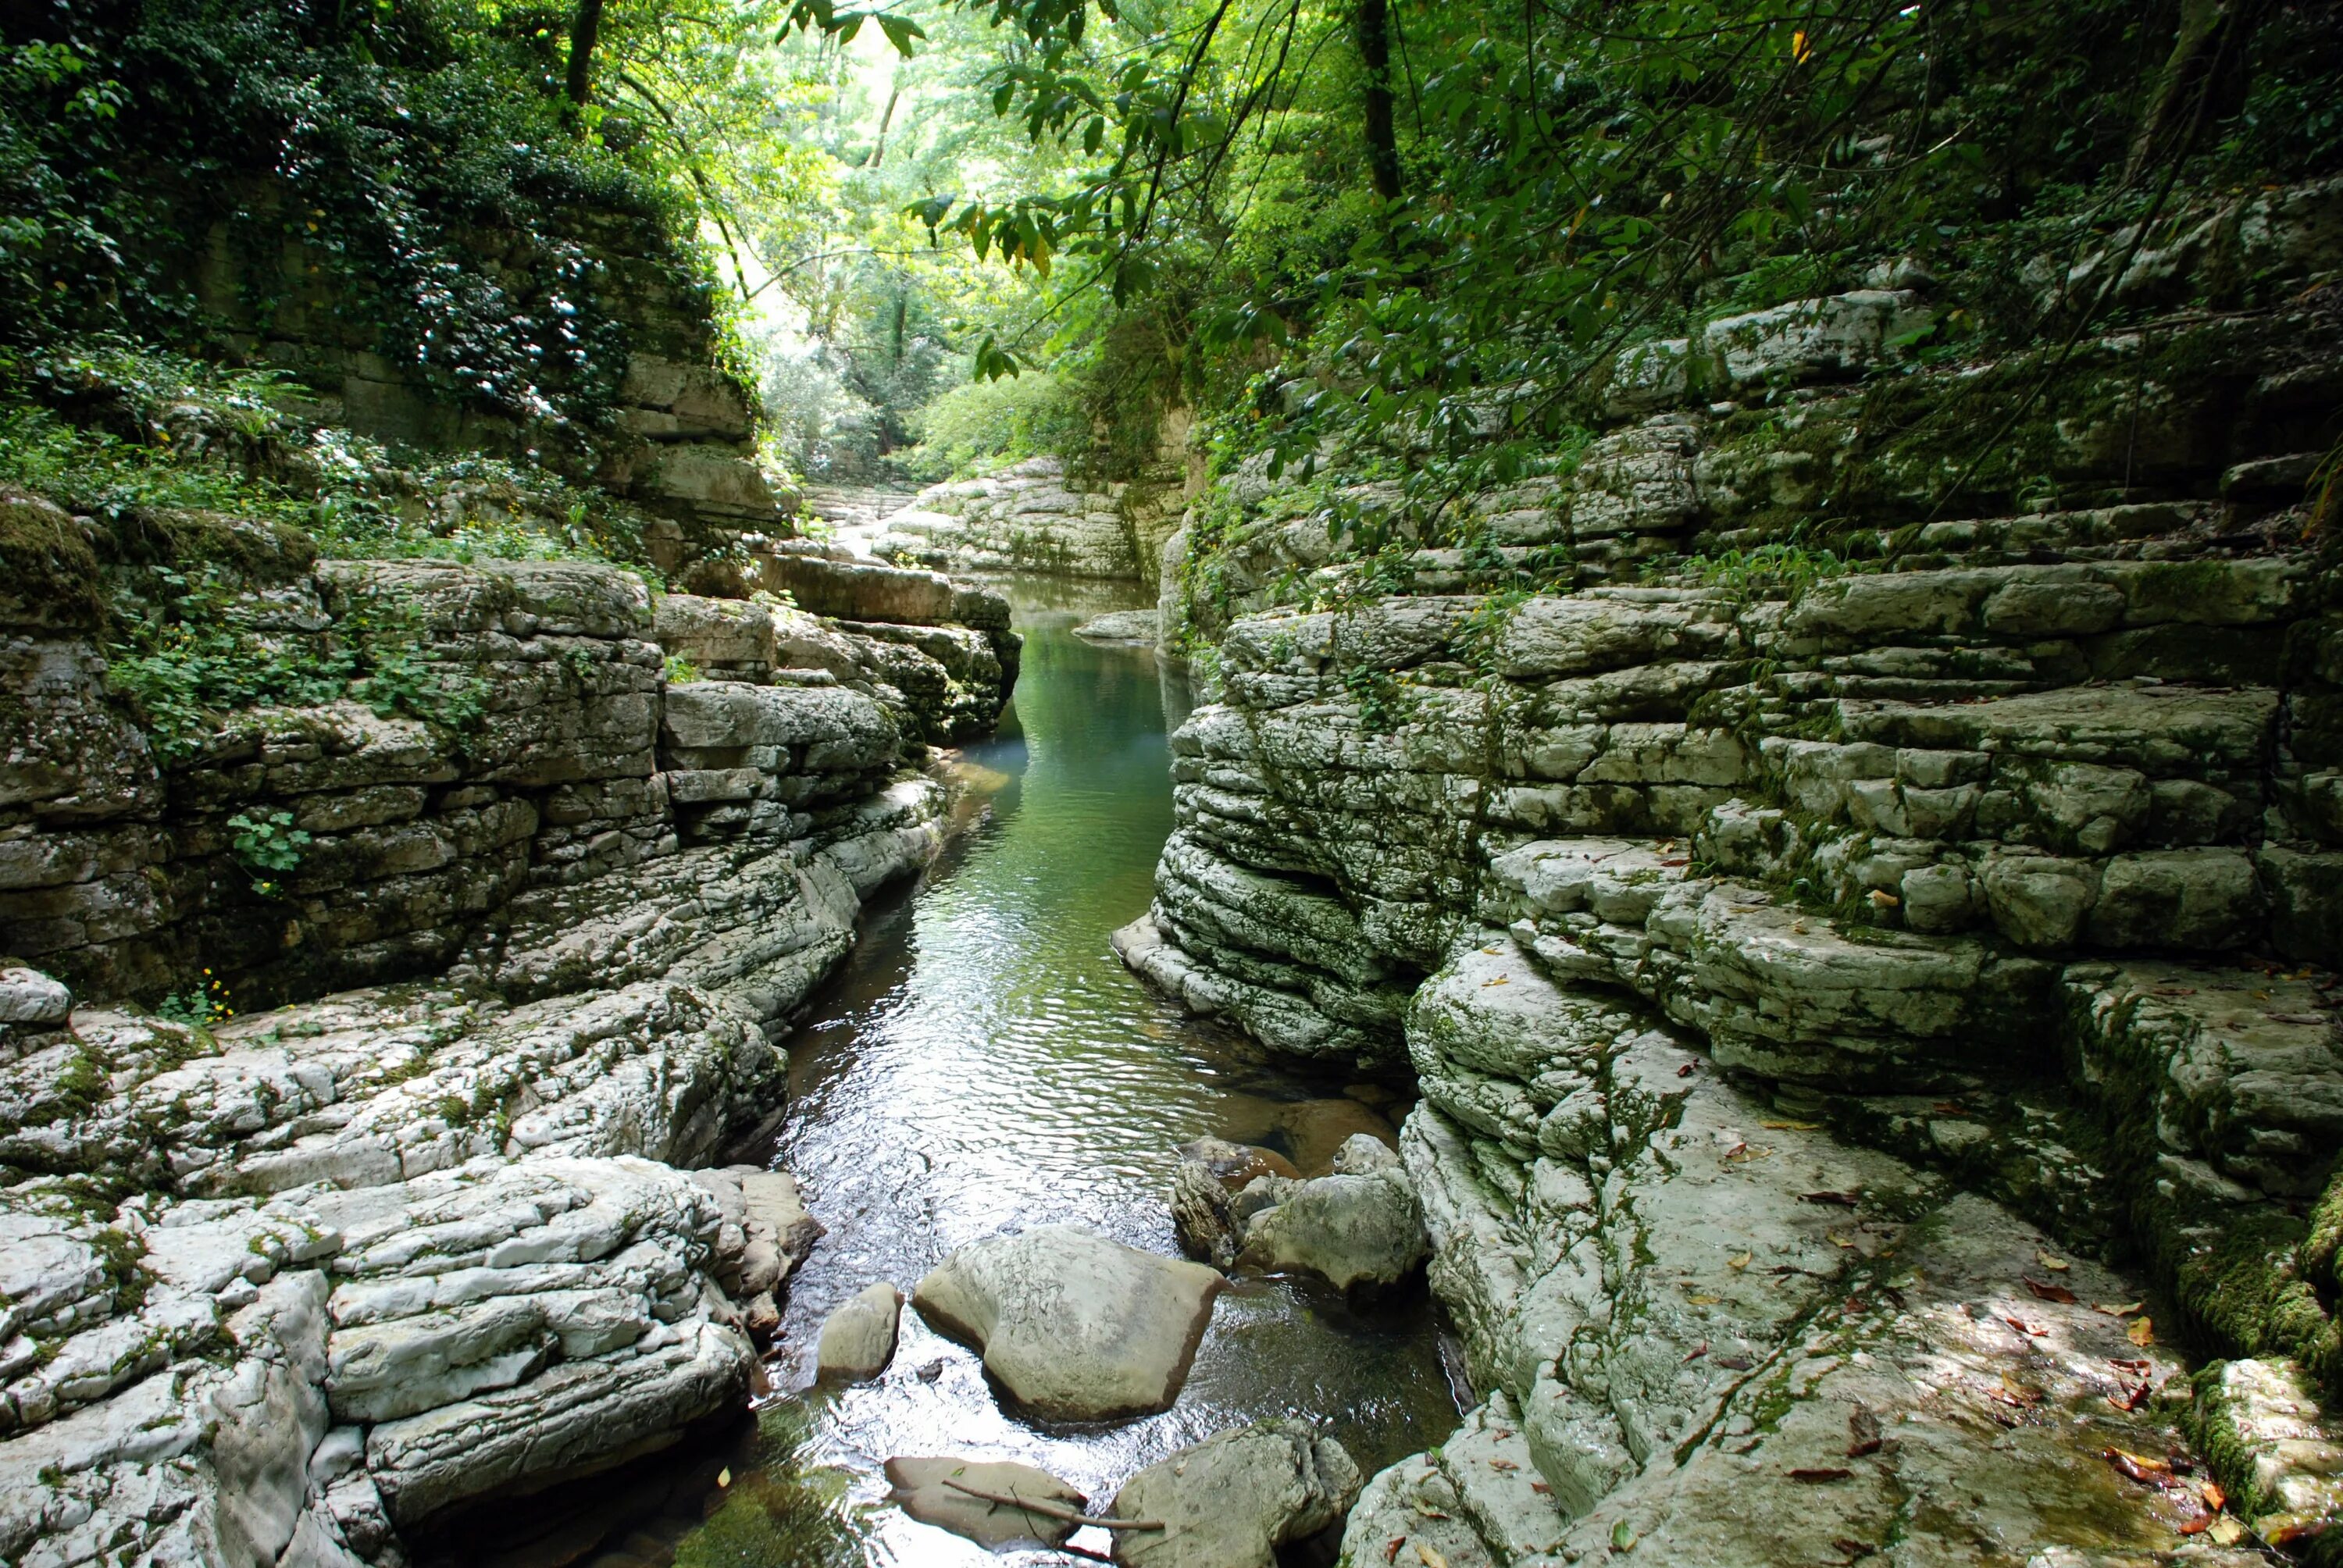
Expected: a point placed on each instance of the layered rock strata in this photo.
(1794, 956)
(1032, 517)
(280, 1286)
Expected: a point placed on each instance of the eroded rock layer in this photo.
(1808, 967)
(281, 1284)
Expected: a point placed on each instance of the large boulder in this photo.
(1074, 1326)
(1358, 1226)
(1232, 1500)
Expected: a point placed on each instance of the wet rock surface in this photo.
(945, 1492)
(858, 1340)
(1233, 1499)
(1073, 1326)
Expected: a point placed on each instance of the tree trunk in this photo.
(1375, 53)
(583, 30)
(894, 96)
(2203, 79)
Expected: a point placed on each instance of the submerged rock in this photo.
(1232, 1500)
(931, 1491)
(1074, 1326)
(1132, 626)
(858, 1339)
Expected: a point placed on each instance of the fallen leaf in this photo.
(1842, 1199)
(2139, 1467)
(2172, 991)
(1390, 1552)
(2047, 1293)
(2196, 1526)
(2131, 1399)
(2142, 1332)
(1838, 1240)
(1740, 1261)
(1863, 1433)
(1429, 1512)
(1501, 979)
(1702, 1301)
(1697, 1351)
(1502, 1434)
(2025, 1328)
(1687, 1069)
(1430, 1558)
(724, 1476)
(1791, 1126)
(1502, 1464)
(1884, 900)
(1541, 1488)
(1817, 1475)
(2215, 1498)
(2056, 1265)
(2227, 1530)
(1738, 1363)
(1623, 1536)
(2116, 1309)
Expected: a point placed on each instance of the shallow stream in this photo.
(982, 1064)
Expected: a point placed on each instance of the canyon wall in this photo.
(293, 1269)
(1810, 961)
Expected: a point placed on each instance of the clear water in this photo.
(985, 1064)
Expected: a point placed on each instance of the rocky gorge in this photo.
(1594, 814)
(1807, 971)
(284, 1283)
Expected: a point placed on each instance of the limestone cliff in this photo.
(1802, 957)
(283, 1285)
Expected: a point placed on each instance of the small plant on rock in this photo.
(199, 1006)
(267, 842)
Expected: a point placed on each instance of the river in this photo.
(983, 1063)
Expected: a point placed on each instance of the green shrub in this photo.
(984, 424)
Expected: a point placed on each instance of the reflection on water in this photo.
(985, 1064)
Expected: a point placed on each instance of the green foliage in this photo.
(1778, 569)
(199, 1006)
(680, 670)
(980, 424)
(1577, 179)
(266, 841)
(211, 649)
(409, 158)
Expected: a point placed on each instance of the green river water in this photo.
(984, 1064)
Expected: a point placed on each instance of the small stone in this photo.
(28, 996)
(858, 1340)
